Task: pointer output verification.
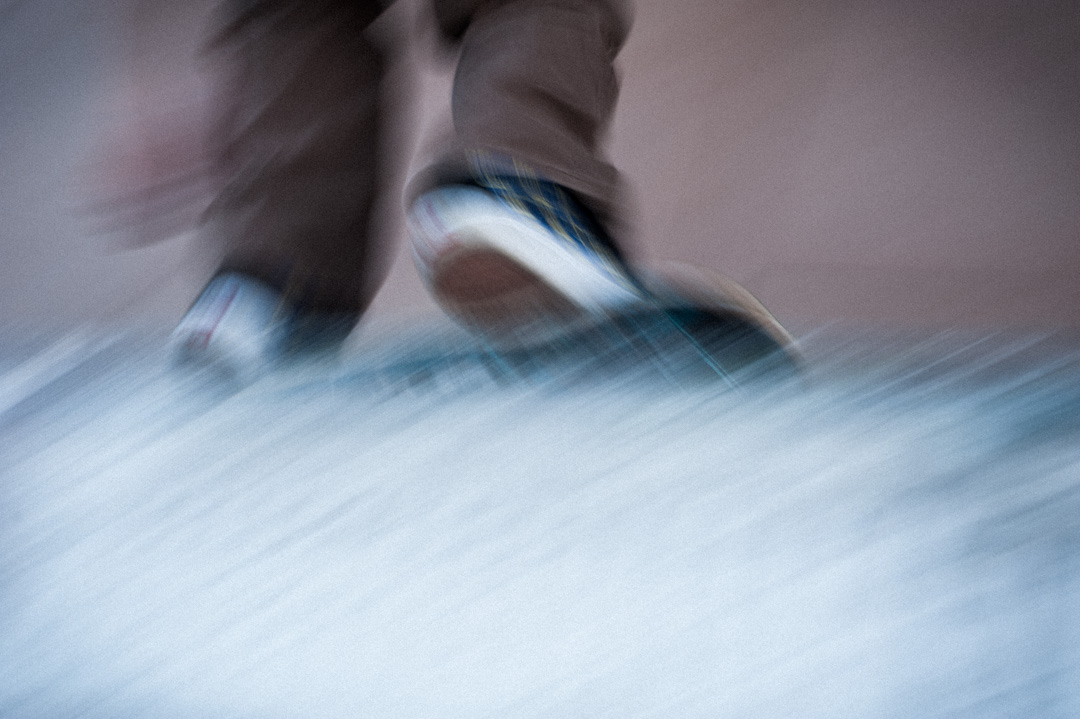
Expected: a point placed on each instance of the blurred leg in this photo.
(505, 230)
(536, 83)
(295, 147)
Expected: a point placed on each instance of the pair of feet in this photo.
(514, 256)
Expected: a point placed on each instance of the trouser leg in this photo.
(536, 83)
(296, 147)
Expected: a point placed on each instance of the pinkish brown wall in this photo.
(887, 161)
(872, 161)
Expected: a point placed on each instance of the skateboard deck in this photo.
(694, 329)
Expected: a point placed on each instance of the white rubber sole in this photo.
(497, 270)
(231, 330)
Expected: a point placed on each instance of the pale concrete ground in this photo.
(386, 539)
(880, 162)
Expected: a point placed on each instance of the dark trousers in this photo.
(297, 137)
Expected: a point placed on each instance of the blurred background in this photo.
(899, 539)
(873, 162)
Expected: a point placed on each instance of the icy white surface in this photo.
(898, 539)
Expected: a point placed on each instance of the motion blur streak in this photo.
(894, 537)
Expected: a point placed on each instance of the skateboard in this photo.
(692, 329)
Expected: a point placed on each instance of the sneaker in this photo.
(511, 255)
(240, 327)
